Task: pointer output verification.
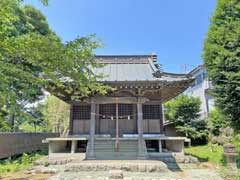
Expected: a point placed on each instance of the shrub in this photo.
(216, 120)
(184, 113)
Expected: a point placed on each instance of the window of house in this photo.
(198, 80)
(107, 111)
(205, 75)
(81, 112)
(125, 111)
(152, 111)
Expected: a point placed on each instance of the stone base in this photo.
(130, 166)
(142, 157)
(90, 157)
(115, 174)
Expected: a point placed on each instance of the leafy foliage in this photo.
(222, 58)
(33, 120)
(23, 162)
(56, 115)
(4, 126)
(183, 112)
(207, 153)
(216, 121)
(33, 58)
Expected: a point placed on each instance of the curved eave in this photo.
(159, 82)
(176, 75)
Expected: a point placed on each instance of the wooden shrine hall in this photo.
(128, 122)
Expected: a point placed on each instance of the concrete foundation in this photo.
(104, 148)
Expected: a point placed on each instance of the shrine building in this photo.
(127, 123)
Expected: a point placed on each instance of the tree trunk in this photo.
(11, 121)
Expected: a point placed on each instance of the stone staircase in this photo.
(105, 149)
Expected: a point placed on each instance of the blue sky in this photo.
(174, 29)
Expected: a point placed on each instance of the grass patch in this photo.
(207, 153)
(19, 163)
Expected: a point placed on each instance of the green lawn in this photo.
(210, 153)
(21, 163)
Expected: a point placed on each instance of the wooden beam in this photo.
(71, 120)
(112, 100)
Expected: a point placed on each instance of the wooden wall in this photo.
(151, 126)
(108, 126)
(81, 126)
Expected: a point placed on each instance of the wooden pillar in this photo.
(91, 153)
(135, 118)
(71, 120)
(73, 146)
(141, 152)
(161, 118)
(160, 146)
(117, 129)
(97, 120)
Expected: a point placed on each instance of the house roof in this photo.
(196, 69)
(134, 68)
(137, 72)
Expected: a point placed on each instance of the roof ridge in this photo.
(123, 59)
(124, 55)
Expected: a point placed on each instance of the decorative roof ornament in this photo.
(157, 74)
(157, 68)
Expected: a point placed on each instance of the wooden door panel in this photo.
(107, 126)
(154, 126)
(127, 126)
(145, 126)
(81, 126)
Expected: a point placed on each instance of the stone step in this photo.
(115, 142)
(141, 166)
(113, 146)
(110, 144)
(116, 155)
(116, 150)
(105, 149)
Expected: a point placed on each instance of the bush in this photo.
(216, 120)
(25, 161)
(46, 164)
(220, 140)
(207, 153)
(184, 113)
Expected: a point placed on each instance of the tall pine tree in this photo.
(222, 58)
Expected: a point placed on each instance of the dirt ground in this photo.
(23, 176)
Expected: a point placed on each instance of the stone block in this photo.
(115, 174)
(133, 167)
(142, 168)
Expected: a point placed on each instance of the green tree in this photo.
(216, 121)
(184, 113)
(222, 58)
(56, 115)
(33, 58)
(32, 120)
(17, 21)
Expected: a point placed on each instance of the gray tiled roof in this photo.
(133, 68)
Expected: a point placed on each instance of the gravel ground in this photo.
(189, 174)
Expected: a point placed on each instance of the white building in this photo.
(200, 88)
